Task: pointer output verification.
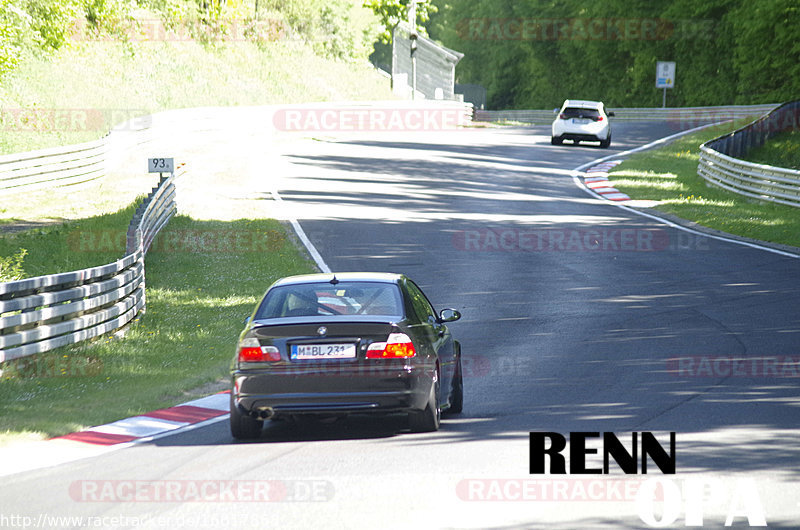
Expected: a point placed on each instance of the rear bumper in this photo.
(339, 389)
(588, 134)
(581, 137)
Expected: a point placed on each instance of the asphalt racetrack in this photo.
(579, 316)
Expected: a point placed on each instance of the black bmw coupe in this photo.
(328, 345)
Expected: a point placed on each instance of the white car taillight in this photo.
(398, 345)
(251, 351)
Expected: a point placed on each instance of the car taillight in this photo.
(562, 116)
(599, 118)
(250, 351)
(396, 346)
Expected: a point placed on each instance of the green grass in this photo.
(197, 299)
(92, 86)
(72, 245)
(782, 150)
(63, 204)
(669, 175)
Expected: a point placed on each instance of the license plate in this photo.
(304, 352)
(579, 121)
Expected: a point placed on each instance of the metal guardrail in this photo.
(58, 166)
(46, 312)
(679, 115)
(71, 165)
(758, 181)
(521, 116)
(720, 165)
(785, 117)
(43, 313)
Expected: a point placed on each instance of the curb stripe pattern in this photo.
(596, 179)
(96, 438)
(578, 171)
(153, 423)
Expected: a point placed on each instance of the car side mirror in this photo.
(246, 321)
(610, 114)
(555, 111)
(449, 315)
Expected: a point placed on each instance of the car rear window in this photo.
(573, 112)
(321, 299)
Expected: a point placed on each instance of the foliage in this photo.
(766, 50)
(11, 267)
(14, 24)
(536, 53)
(391, 12)
(36, 26)
(528, 53)
(106, 14)
(51, 21)
(341, 29)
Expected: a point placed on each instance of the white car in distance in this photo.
(582, 121)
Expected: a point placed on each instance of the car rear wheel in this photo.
(605, 143)
(555, 140)
(243, 427)
(427, 420)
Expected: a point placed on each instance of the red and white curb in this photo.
(596, 179)
(155, 422)
(26, 456)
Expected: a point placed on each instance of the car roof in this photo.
(381, 277)
(583, 104)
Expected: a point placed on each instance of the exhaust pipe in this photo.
(264, 413)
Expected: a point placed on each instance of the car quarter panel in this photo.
(433, 334)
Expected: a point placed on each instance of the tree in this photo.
(727, 51)
(13, 24)
(391, 12)
(766, 50)
(335, 28)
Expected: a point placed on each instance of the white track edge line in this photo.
(315, 255)
(576, 179)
